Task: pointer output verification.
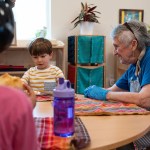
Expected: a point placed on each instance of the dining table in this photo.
(107, 132)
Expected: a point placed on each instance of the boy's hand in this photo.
(96, 92)
(30, 93)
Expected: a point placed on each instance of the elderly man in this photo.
(132, 45)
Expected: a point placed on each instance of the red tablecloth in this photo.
(48, 141)
(44, 98)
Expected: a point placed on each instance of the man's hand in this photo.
(96, 92)
(30, 93)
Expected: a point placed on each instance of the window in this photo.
(31, 16)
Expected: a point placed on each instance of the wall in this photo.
(64, 11)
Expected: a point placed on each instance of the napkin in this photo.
(87, 106)
(48, 141)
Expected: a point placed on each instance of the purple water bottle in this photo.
(63, 109)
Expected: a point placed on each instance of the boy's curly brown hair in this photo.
(40, 46)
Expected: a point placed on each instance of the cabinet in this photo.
(19, 56)
(86, 61)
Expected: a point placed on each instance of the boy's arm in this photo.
(25, 77)
(31, 94)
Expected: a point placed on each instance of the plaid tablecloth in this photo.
(44, 97)
(87, 106)
(48, 141)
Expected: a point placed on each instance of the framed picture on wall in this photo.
(130, 14)
(14, 41)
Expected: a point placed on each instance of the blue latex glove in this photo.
(96, 92)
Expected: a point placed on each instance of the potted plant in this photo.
(87, 16)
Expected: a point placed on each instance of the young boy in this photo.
(43, 77)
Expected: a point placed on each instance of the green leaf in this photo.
(74, 19)
(82, 6)
(78, 22)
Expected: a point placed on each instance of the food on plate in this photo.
(13, 81)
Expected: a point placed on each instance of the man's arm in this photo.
(115, 88)
(142, 98)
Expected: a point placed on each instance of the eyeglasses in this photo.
(128, 27)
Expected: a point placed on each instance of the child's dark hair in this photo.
(40, 46)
